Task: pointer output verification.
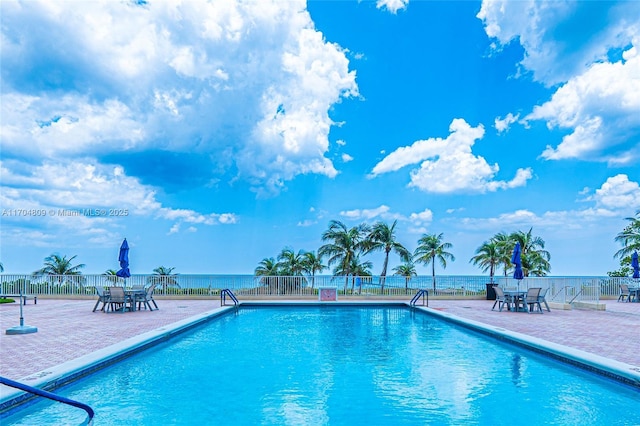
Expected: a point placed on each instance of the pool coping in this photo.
(67, 372)
(619, 371)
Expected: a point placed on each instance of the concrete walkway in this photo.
(68, 329)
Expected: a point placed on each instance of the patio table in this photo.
(636, 292)
(515, 296)
(132, 294)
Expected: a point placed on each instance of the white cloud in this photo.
(346, 158)
(618, 192)
(503, 124)
(248, 84)
(392, 6)
(306, 222)
(602, 109)
(521, 219)
(449, 165)
(422, 218)
(84, 198)
(578, 45)
(560, 39)
(615, 198)
(366, 214)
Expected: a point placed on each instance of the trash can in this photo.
(491, 293)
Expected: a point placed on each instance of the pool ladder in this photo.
(421, 293)
(223, 297)
(50, 395)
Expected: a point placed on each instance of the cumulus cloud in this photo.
(247, 84)
(618, 192)
(616, 197)
(503, 124)
(84, 198)
(601, 107)
(421, 218)
(560, 39)
(366, 214)
(392, 6)
(346, 158)
(449, 165)
(578, 46)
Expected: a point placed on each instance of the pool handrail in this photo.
(421, 293)
(49, 395)
(223, 297)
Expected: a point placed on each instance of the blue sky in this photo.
(220, 133)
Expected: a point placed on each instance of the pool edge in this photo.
(619, 371)
(62, 374)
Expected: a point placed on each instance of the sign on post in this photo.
(328, 294)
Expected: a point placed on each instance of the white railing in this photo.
(561, 289)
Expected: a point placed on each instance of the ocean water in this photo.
(337, 365)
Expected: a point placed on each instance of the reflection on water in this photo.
(516, 367)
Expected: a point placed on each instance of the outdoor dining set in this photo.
(629, 293)
(516, 300)
(121, 299)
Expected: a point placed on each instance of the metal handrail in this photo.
(421, 293)
(49, 395)
(223, 297)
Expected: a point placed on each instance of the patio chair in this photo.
(117, 299)
(531, 299)
(103, 297)
(624, 293)
(501, 299)
(146, 298)
(542, 298)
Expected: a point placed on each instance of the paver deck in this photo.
(68, 329)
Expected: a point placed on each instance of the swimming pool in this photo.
(339, 365)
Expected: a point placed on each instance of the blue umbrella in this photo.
(635, 264)
(123, 258)
(515, 259)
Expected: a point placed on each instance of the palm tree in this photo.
(629, 237)
(504, 245)
(345, 244)
(268, 270)
(312, 264)
(291, 263)
(535, 259)
(1, 267)
(357, 269)
(407, 270)
(382, 238)
(163, 275)
(56, 265)
(60, 267)
(111, 276)
(430, 248)
(488, 256)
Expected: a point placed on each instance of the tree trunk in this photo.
(433, 273)
(384, 271)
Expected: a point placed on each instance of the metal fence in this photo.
(560, 289)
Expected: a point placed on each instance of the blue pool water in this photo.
(329, 365)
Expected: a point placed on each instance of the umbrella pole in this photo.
(21, 329)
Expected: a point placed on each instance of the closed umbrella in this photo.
(635, 264)
(123, 258)
(517, 261)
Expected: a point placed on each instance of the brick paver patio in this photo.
(68, 329)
